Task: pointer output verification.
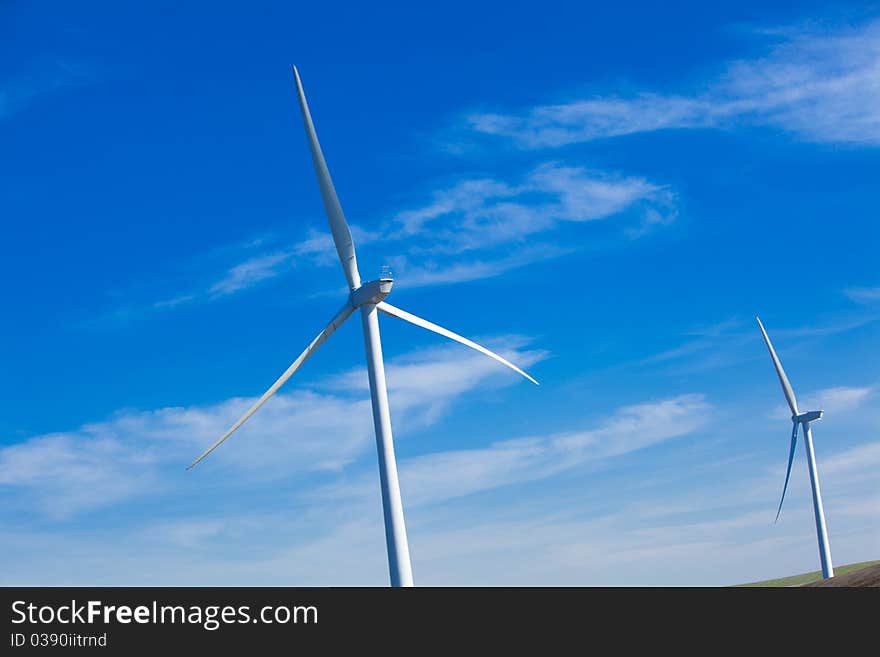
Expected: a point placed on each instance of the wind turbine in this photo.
(369, 298)
(804, 420)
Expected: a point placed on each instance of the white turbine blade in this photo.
(794, 433)
(338, 224)
(786, 386)
(388, 309)
(334, 324)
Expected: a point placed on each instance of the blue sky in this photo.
(607, 195)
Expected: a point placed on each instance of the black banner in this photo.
(131, 620)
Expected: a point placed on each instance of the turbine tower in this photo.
(369, 298)
(804, 420)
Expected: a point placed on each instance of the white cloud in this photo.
(74, 471)
(839, 398)
(864, 295)
(551, 126)
(711, 531)
(737, 340)
(422, 384)
(863, 458)
(444, 475)
(820, 85)
(471, 218)
(834, 401)
(472, 229)
(190, 533)
(250, 272)
(270, 261)
(420, 271)
(135, 452)
(480, 227)
(703, 542)
(481, 213)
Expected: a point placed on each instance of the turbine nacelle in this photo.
(809, 416)
(373, 292)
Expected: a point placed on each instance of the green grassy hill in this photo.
(806, 578)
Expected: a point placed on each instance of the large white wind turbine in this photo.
(370, 299)
(804, 420)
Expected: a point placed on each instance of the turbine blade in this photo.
(783, 380)
(334, 324)
(794, 433)
(338, 224)
(388, 309)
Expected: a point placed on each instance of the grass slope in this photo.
(806, 578)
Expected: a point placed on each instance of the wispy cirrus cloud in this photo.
(821, 85)
(251, 272)
(480, 213)
(834, 400)
(424, 271)
(861, 460)
(445, 475)
(706, 347)
(479, 227)
(734, 340)
(552, 126)
(242, 266)
(270, 261)
(865, 295)
(472, 229)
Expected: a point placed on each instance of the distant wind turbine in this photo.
(803, 419)
(369, 298)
